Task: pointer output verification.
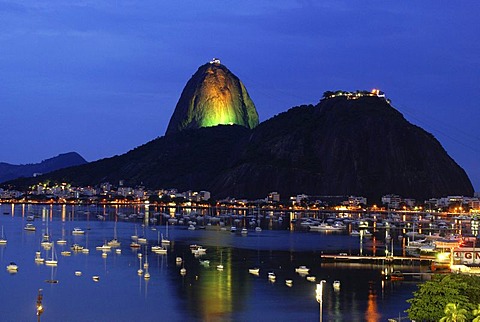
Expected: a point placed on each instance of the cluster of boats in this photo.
(302, 270)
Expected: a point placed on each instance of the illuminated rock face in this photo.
(213, 96)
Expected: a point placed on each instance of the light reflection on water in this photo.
(204, 293)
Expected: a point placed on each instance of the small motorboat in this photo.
(12, 267)
(30, 227)
(271, 277)
(336, 285)
(254, 271)
(76, 247)
(134, 245)
(397, 276)
(104, 248)
(78, 231)
(302, 269)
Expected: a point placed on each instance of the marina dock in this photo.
(369, 258)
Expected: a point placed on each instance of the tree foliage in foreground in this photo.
(454, 313)
(432, 297)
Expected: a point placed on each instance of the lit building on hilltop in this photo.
(273, 197)
(215, 61)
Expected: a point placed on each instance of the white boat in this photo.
(30, 227)
(78, 273)
(205, 263)
(165, 240)
(114, 243)
(233, 229)
(198, 250)
(38, 258)
(53, 259)
(355, 233)
(254, 271)
(78, 231)
(12, 267)
(220, 266)
(367, 232)
(76, 247)
(140, 270)
(302, 269)
(159, 249)
(311, 278)
(135, 236)
(3, 239)
(142, 240)
(104, 247)
(244, 231)
(61, 242)
(258, 229)
(191, 227)
(66, 253)
(271, 277)
(326, 227)
(183, 271)
(46, 243)
(178, 259)
(95, 278)
(336, 285)
(289, 283)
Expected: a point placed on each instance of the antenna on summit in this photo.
(215, 61)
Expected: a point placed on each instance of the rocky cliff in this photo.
(213, 96)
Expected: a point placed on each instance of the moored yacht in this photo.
(78, 231)
(12, 267)
(30, 227)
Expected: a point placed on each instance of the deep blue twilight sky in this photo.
(102, 77)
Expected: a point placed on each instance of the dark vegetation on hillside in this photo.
(339, 147)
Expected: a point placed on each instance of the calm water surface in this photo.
(204, 293)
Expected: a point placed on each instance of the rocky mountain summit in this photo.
(213, 96)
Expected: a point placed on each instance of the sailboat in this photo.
(140, 270)
(114, 242)
(52, 280)
(62, 241)
(166, 241)
(3, 239)
(159, 249)
(220, 266)
(38, 258)
(46, 243)
(145, 265)
(135, 237)
(53, 260)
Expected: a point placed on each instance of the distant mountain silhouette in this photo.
(340, 146)
(213, 96)
(11, 171)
